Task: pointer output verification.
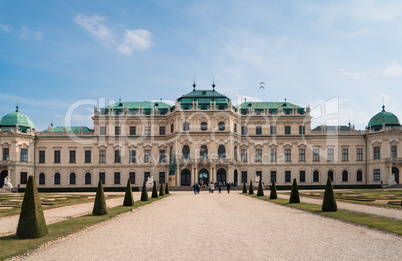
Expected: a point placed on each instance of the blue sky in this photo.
(343, 58)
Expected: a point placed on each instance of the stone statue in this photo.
(7, 184)
(391, 180)
(150, 181)
(257, 179)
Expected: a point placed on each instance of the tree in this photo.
(144, 192)
(32, 223)
(154, 191)
(294, 194)
(329, 202)
(251, 191)
(260, 192)
(100, 203)
(161, 192)
(167, 188)
(273, 194)
(244, 188)
(128, 197)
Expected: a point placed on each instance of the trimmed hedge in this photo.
(154, 191)
(144, 192)
(167, 188)
(273, 194)
(251, 190)
(244, 188)
(161, 191)
(294, 194)
(128, 197)
(260, 192)
(100, 202)
(329, 202)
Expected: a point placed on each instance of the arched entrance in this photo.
(203, 176)
(236, 177)
(3, 175)
(185, 177)
(221, 175)
(395, 171)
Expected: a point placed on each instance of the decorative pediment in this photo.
(6, 133)
(394, 131)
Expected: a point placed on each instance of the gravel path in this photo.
(362, 208)
(9, 225)
(223, 226)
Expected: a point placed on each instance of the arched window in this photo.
(204, 152)
(235, 153)
(72, 179)
(345, 175)
(185, 177)
(42, 179)
(57, 179)
(221, 126)
(204, 126)
(316, 176)
(221, 152)
(221, 175)
(331, 175)
(186, 126)
(88, 178)
(186, 152)
(359, 175)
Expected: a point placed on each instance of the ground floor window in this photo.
(23, 177)
(162, 177)
(57, 179)
(345, 175)
(102, 177)
(273, 176)
(244, 177)
(287, 176)
(72, 179)
(132, 177)
(359, 175)
(147, 175)
(316, 176)
(117, 178)
(88, 178)
(331, 175)
(377, 175)
(302, 175)
(42, 179)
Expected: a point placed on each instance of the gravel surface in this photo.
(223, 226)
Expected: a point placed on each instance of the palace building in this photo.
(203, 137)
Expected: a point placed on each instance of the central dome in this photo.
(383, 118)
(14, 119)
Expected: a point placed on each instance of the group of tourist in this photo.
(212, 186)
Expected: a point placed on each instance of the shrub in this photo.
(251, 191)
(167, 188)
(161, 192)
(329, 202)
(294, 194)
(128, 197)
(273, 194)
(144, 192)
(32, 223)
(100, 203)
(154, 191)
(244, 188)
(260, 192)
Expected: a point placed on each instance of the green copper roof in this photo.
(383, 118)
(268, 105)
(136, 105)
(13, 119)
(204, 95)
(70, 129)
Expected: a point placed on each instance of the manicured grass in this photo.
(12, 246)
(384, 224)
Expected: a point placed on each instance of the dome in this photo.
(13, 119)
(383, 118)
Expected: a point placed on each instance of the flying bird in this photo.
(261, 85)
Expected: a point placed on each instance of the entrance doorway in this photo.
(203, 176)
(185, 177)
(3, 175)
(395, 171)
(221, 175)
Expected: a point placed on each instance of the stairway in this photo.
(396, 186)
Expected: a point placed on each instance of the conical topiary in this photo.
(294, 194)
(329, 202)
(244, 188)
(161, 192)
(260, 192)
(32, 223)
(273, 194)
(100, 203)
(154, 191)
(128, 197)
(251, 191)
(167, 188)
(144, 192)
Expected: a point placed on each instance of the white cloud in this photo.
(27, 32)
(394, 69)
(5, 28)
(135, 39)
(358, 76)
(94, 25)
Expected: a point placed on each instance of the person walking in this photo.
(220, 187)
(228, 187)
(211, 187)
(195, 187)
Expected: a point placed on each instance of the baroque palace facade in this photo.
(201, 138)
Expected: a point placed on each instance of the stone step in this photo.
(396, 186)
(4, 191)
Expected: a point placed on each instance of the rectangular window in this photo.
(102, 130)
(162, 130)
(162, 156)
(244, 177)
(302, 176)
(302, 155)
(132, 177)
(6, 154)
(102, 156)
(147, 156)
(56, 156)
(316, 154)
(287, 176)
(102, 177)
(24, 155)
(273, 176)
(162, 177)
(147, 175)
(117, 130)
(287, 129)
(42, 156)
(88, 156)
(117, 156)
(288, 155)
(147, 130)
(258, 155)
(272, 130)
(133, 130)
(244, 130)
(377, 154)
(244, 155)
(345, 154)
(273, 155)
(359, 154)
(23, 177)
(133, 156)
(117, 178)
(302, 130)
(258, 173)
(377, 175)
(258, 130)
(330, 154)
(394, 151)
(72, 156)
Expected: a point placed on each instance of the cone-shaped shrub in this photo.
(244, 188)
(100, 203)
(273, 194)
(260, 192)
(329, 202)
(144, 193)
(294, 194)
(161, 192)
(128, 197)
(167, 188)
(32, 222)
(251, 191)
(154, 191)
